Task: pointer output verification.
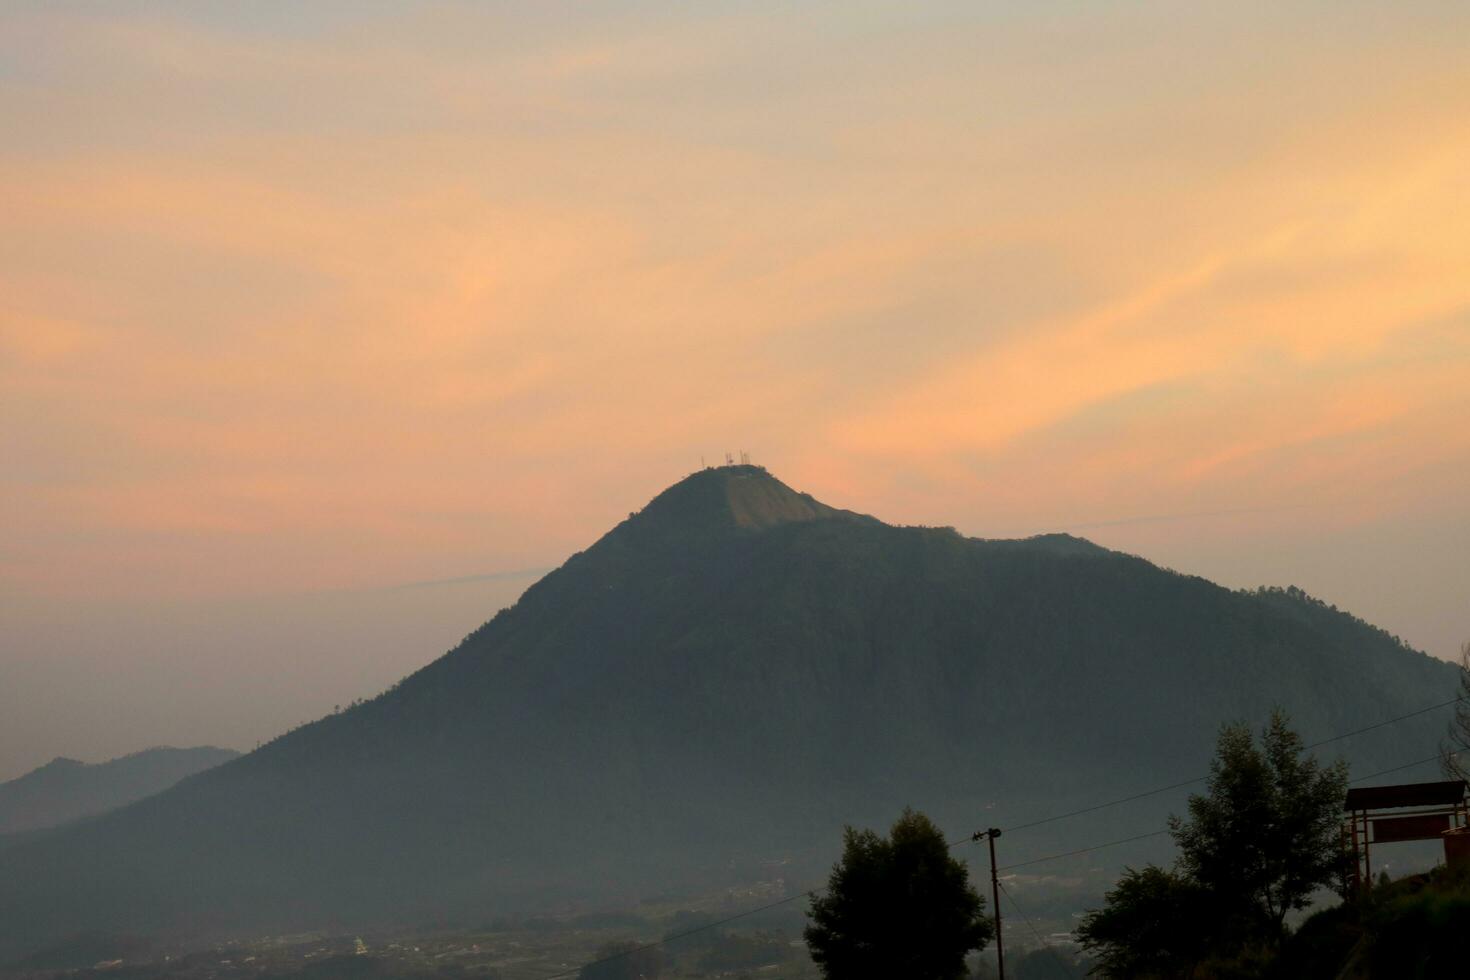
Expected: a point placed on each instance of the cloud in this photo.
(330, 305)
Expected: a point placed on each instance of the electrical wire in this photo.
(1156, 833)
(1200, 779)
(1381, 724)
(978, 836)
(1057, 957)
(1407, 765)
(1082, 850)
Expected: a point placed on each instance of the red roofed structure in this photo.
(1409, 811)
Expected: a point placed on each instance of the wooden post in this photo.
(1000, 950)
(1367, 854)
(1357, 856)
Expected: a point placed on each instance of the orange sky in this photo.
(297, 302)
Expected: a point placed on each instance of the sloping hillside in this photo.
(724, 679)
(64, 789)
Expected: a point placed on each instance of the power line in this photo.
(1407, 765)
(1156, 833)
(1083, 850)
(1381, 724)
(1110, 803)
(811, 893)
(1200, 779)
(1057, 957)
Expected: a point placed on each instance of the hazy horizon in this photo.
(302, 306)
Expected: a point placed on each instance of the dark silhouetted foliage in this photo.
(1256, 845)
(1415, 927)
(1267, 834)
(1154, 923)
(897, 906)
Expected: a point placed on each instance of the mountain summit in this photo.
(727, 498)
(721, 682)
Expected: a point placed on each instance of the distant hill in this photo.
(712, 689)
(64, 789)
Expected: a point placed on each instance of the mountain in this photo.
(712, 689)
(64, 789)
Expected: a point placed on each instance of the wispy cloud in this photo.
(367, 298)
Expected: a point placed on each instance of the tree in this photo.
(1456, 746)
(1154, 923)
(1256, 845)
(1267, 833)
(898, 906)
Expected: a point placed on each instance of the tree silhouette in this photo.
(1267, 834)
(1263, 838)
(897, 906)
(1153, 923)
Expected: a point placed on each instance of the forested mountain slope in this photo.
(724, 679)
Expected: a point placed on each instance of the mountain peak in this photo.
(743, 496)
(725, 680)
(61, 762)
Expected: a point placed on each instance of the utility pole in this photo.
(1000, 950)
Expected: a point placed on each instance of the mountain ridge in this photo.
(724, 679)
(67, 789)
